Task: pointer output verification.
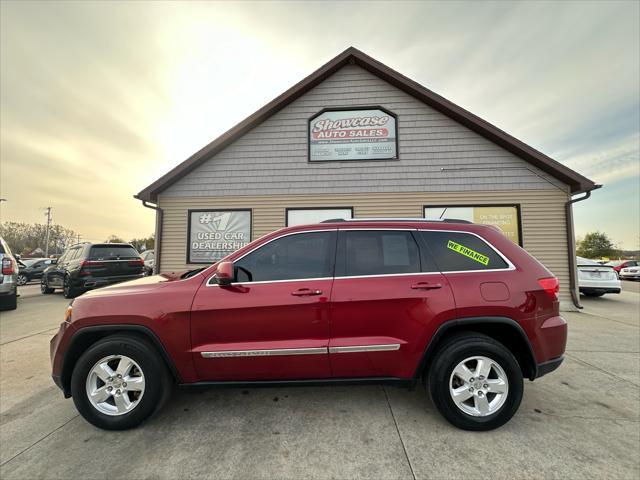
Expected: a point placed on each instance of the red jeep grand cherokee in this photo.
(453, 305)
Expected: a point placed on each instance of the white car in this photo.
(630, 273)
(594, 280)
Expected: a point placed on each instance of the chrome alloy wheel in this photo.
(115, 385)
(478, 386)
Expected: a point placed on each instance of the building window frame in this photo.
(517, 206)
(289, 209)
(351, 109)
(213, 209)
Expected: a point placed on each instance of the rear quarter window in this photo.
(460, 252)
(112, 252)
(4, 248)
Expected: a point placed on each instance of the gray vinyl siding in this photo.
(272, 158)
(542, 212)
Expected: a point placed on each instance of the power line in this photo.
(46, 245)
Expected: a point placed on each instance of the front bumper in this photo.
(57, 346)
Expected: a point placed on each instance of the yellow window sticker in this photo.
(467, 252)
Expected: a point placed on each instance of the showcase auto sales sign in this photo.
(352, 135)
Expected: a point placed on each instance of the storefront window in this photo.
(505, 217)
(302, 216)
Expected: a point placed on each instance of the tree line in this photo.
(596, 245)
(25, 238)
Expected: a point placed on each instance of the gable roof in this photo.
(351, 55)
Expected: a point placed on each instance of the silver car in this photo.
(8, 278)
(595, 280)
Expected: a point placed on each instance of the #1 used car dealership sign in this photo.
(214, 234)
(353, 134)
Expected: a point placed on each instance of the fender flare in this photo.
(146, 332)
(444, 328)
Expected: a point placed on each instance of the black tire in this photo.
(594, 294)
(158, 382)
(9, 302)
(454, 351)
(67, 290)
(44, 286)
(22, 279)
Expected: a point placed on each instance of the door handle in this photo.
(426, 286)
(306, 292)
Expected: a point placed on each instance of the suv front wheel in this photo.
(475, 382)
(119, 382)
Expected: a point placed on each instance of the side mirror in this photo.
(224, 273)
(18, 257)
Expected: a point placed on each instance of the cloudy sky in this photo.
(99, 99)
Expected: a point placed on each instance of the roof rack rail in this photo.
(395, 219)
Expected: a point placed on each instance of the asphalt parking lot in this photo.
(582, 421)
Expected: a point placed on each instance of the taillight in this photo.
(91, 263)
(138, 262)
(85, 267)
(8, 267)
(551, 286)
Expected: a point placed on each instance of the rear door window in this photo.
(73, 253)
(461, 252)
(384, 252)
(112, 252)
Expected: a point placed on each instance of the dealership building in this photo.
(358, 139)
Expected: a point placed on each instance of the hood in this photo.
(143, 284)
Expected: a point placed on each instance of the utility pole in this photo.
(78, 238)
(46, 245)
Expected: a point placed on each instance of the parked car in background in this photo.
(630, 273)
(91, 265)
(453, 306)
(33, 270)
(27, 262)
(620, 264)
(594, 279)
(8, 278)
(149, 259)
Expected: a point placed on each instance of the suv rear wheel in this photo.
(44, 286)
(67, 290)
(119, 382)
(475, 382)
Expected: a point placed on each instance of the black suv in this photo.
(91, 265)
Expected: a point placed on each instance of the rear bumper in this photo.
(549, 366)
(599, 290)
(8, 288)
(551, 339)
(630, 275)
(96, 282)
